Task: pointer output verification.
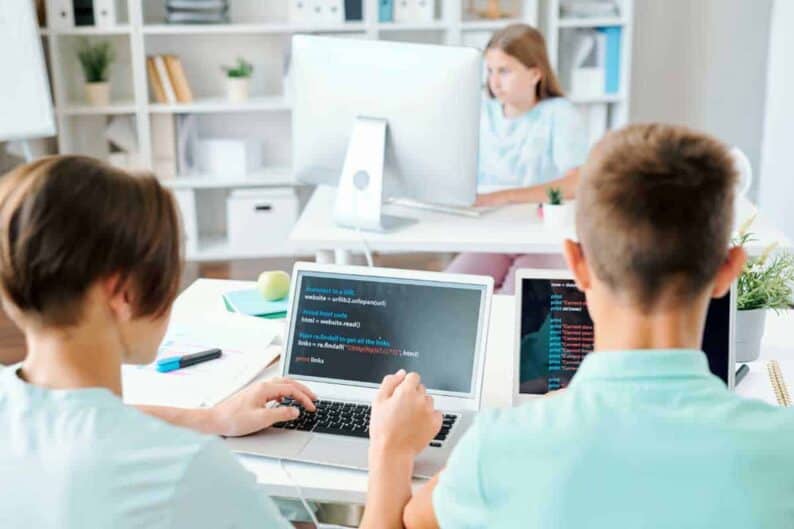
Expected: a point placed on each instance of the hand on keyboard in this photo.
(343, 418)
(403, 417)
(245, 412)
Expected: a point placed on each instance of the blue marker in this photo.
(164, 365)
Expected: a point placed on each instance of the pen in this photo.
(171, 363)
(743, 369)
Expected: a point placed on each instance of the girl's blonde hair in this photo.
(527, 44)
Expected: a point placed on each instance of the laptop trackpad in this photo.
(337, 450)
(273, 442)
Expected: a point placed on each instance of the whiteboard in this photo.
(25, 102)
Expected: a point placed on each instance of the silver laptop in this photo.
(554, 333)
(348, 327)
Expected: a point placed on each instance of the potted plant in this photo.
(555, 213)
(765, 283)
(95, 60)
(237, 80)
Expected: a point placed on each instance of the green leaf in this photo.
(95, 60)
(765, 281)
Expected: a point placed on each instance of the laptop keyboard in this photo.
(346, 418)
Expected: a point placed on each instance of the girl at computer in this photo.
(90, 264)
(531, 138)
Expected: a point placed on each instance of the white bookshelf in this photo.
(260, 31)
(605, 111)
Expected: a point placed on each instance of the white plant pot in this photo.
(559, 216)
(237, 89)
(749, 330)
(97, 94)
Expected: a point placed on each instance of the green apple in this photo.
(273, 285)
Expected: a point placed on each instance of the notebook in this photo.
(770, 381)
(778, 381)
(251, 303)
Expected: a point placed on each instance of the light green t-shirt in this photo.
(82, 459)
(641, 439)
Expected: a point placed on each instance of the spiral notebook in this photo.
(778, 381)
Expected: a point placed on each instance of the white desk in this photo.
(511, 229)
(349, 486)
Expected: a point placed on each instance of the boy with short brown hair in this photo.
(644, 436)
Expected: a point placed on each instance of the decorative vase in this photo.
(557, 216)
(97, 94)
(237, 89)
(749, 330)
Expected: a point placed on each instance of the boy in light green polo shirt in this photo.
(645, 436)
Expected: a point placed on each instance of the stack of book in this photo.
(167, 79)
(197, 11)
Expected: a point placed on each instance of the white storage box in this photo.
(229, 157)
(259, 220)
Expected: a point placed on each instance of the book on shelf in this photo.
(197, 5)
(176, 74)
(183, 17)
(168, 80)
(588, 9)
(197, 11)
(165, 81)
(154, 81)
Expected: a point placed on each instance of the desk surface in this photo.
(511, 229)
(339, 485)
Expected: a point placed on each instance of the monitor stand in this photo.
(359, 197)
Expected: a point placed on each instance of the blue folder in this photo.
(612, 85)
(385, 10)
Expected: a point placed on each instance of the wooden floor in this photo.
(12, 343)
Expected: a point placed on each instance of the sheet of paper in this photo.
(244, 342)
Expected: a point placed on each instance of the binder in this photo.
(105, 13)
(83, 12)
(405, 11)
(300, 11)
(425, 10)
(328, 12)
(612, 58)
(385, 10)
(60, 14)
(354, 10)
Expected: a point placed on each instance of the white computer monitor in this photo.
(385, 119)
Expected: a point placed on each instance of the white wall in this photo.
(777, 159)
(702, 63)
